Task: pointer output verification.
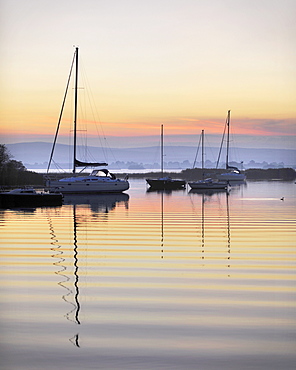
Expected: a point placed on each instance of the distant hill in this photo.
(38, 153)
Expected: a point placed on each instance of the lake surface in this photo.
(151, 280)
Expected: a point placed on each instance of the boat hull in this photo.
(231, 176)
(201, 185)
(166, 184)
(87, 186)
(98, 203)
(30, 200)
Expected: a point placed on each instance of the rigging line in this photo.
(61, 114)
(58, 167)
(82, 149)
(94, 111)
(169, 149)
(156, 155)
(197, 151)
(233, 149)
(221, 144)
(209, 148)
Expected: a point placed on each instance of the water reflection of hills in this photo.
(102, 203)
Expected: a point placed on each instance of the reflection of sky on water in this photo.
(172, 279)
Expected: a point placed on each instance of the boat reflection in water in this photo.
(97, 204)
(164, 191)
(101, 203)
(237, 183)
(208, 192)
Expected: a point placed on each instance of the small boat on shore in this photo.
(29, 197)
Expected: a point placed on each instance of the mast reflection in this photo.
(228, 225)
(162, 223)
(206, 195)
(75, 340)
(57, 248)
(81, 205)
(76, 268)
(203, 225)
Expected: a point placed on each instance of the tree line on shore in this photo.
(14, 173)
(192, 174)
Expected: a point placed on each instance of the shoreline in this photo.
(31, 178)
(287, 174)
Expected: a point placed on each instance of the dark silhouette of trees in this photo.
(14, 173)
(271, 173)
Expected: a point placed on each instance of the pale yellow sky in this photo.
(183, 63)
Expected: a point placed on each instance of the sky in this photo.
(180, 63)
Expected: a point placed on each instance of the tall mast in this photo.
(75, 108)
(202, 154)
(227, 148)
(161, 154)
(202, 149)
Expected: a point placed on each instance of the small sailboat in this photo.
(165, 182)
(234, 174)
(100, 180)
(209, 183)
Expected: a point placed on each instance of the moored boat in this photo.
(29, 197)
(234, 174)
(208, 183)
(100, 180)
(165, 182)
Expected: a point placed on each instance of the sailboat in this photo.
(234, 174)
(165, 182)
(100, 180)
(209, 183)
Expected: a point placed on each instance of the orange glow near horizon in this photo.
(27, 121)
(177, 126)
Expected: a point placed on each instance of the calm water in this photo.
(147, 280)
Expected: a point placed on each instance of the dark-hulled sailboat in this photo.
(165, 182)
